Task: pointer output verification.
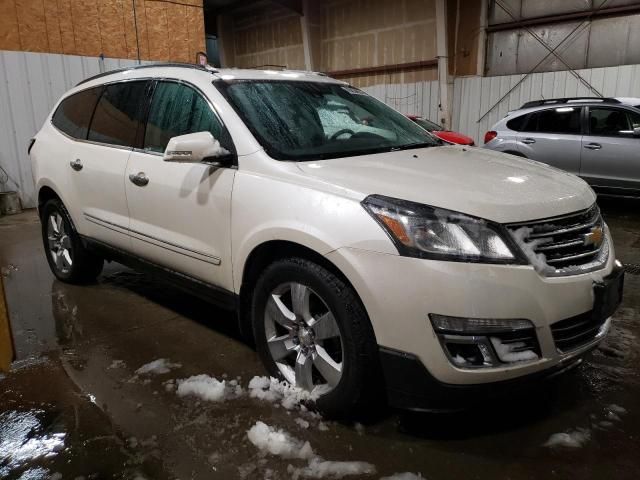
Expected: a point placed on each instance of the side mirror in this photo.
(196, 148)
(636, 132)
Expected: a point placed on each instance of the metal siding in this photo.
(30, 85)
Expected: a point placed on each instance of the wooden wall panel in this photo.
(9, 33)
(54, 36)
(112, 29)
(168, 30)
(156, 14)
(66, 27)
(86, 27)
(31, 25)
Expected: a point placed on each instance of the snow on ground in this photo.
(573, 439)
(275, 391)
(157, 367)
(319, 468)
(617, 409)
(302, 423)
(207, 388)
(404, 476)
(270, 440)
(116, 364)
(278, 442)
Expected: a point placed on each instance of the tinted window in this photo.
(612, 122)
(74, 113)
(177, 109)
(118, 114)
(517, 123)
(558, 120)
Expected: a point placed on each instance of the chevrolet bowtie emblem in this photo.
(594, 237)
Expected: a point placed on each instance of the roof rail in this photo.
(554, 101)
(204, 68)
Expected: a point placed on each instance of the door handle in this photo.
(528, 141)
(76, 164)
(593, 146)
(139, 179)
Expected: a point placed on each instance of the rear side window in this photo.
(74, 113)
(558, 120)
(118, 114)
(517, 123)
(177, 109)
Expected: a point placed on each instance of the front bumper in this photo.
(399, 293)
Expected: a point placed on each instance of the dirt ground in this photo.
(73, 406)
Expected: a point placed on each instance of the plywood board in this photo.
(178, 33)
(112, 35)
(65, 19)
(51, 16)
(9, 35)
(156, 19)
(31, 26)
(86, 27)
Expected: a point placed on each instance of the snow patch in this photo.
(275, 391)
(116, 364)
(302, 423)
(404, 476)
(506, 355)
(278, 442)
(205, 387)
(617, 409)
(538, 260)
(157, 367)
(573, 439)
(319, 468)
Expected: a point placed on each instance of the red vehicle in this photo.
(438, 131)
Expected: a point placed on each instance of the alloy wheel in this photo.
(59, 242)
(303, 337)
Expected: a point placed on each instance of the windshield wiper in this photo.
(409, 146)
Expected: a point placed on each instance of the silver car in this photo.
(595, 138)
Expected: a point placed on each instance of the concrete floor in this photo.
(68, 411)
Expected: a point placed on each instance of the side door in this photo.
(610, 151)
(553, 136)
(181, 213)
(99, 163)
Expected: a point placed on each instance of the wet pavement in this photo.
(73, 406)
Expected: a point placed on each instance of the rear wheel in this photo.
(68, 259)
(312, 331)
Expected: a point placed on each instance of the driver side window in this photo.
(612, 122)
(177, 109)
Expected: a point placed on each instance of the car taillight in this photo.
(490, 136)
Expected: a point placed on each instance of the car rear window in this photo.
(517, 123)
(74, 113)
(118, 114)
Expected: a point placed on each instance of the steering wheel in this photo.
(341, 132)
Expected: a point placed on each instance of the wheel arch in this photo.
(263, 255)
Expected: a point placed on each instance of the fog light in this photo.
(486, 342)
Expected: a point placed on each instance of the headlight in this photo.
(428, 232)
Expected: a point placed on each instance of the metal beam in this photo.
(567, 17)
(442, 54)
(382, 69)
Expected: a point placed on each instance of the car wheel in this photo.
(68, 258)
(312, 331)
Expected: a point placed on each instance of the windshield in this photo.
(428, 125)
(296, 120)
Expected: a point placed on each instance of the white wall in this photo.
(30, 84)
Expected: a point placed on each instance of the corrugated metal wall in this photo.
(474, 96)
(30, 84)
(420, 98)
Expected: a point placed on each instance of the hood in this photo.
(484, 183)
(453, 137)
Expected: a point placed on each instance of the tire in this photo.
(68, 258)
(332, 307)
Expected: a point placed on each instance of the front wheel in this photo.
(68, 258)
(311, 330)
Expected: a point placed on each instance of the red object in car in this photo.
(438, 131)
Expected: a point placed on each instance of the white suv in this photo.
(361, 260)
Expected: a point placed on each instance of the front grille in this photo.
(576, 331)
(563, 243)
